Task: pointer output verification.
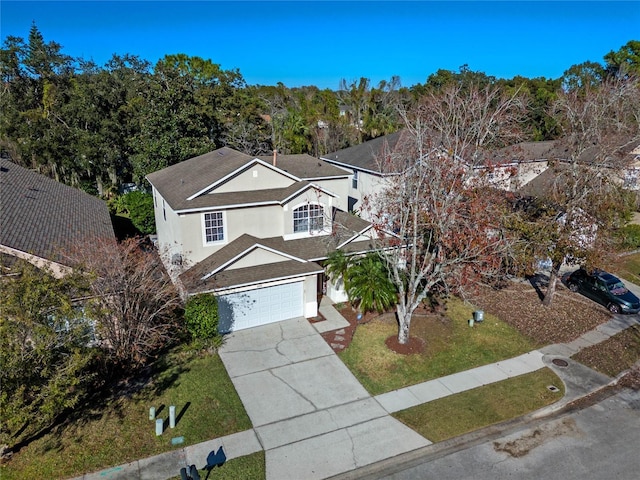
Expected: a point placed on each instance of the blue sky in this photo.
(320, 42)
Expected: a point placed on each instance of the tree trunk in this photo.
(404, 322)
(551, 288)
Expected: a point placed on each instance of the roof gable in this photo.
(254, 175)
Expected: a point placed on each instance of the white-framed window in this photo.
(308, 218)
(354, 180)
(213, 226)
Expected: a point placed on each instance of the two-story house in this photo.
(255, 230)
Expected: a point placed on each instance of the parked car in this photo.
(604, 288)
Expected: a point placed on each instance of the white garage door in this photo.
(259, 307)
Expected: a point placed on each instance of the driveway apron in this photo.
(311, 415)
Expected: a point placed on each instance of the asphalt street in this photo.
(596, 443)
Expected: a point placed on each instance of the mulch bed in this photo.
(519, 304)
(340, 339)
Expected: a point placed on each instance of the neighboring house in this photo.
(368, 167)
(511, 168)
(252, 231)
(42, 220)
(508, 168)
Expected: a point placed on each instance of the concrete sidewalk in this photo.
(314, 420)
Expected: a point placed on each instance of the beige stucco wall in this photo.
(261, 222)
(527, 171)
(310, 292)
(168, 228)
(338, 187)
(258, 256)
(370, 186)
(258, 177)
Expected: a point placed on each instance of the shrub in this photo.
(140, 208)
(201, 317)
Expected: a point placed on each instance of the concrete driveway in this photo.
(311, 415)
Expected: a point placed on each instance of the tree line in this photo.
(96, 127)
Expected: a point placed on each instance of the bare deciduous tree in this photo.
(445, 224)
(132, 299)
(600, 125)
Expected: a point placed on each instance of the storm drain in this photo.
(558, 362)
(553, 388)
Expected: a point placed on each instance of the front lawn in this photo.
(628, 267)
(120, 431)
(450, 346)
(467, 411)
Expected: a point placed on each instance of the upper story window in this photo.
(213, 227)
(308, 218)
(354, 180)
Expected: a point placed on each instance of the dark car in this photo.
(604, 288)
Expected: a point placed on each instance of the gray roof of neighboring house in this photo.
(46, 218)
(180, 181)
(367, 155)
(309, 249)
(523, 152)
(552, 150)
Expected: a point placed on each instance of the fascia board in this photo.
(349, 240)
(303, 189)
(275, 279)
(353, 167)
(227, 206)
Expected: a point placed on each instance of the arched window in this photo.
(308, 218)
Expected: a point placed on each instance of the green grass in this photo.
(628, 267)
(121, 431)
(250, 467)
(474, 409)
(451, 346)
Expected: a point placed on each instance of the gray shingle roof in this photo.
(366, 156)
(46, 218)
(180, 181)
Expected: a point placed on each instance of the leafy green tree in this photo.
(626, 59)
(201, 317)
(139, 206)
(44, 356)
(337, 265)
(583, 75)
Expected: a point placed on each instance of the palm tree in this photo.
(368, 283)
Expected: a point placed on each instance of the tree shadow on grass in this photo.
(538, 282)
(105, 397)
